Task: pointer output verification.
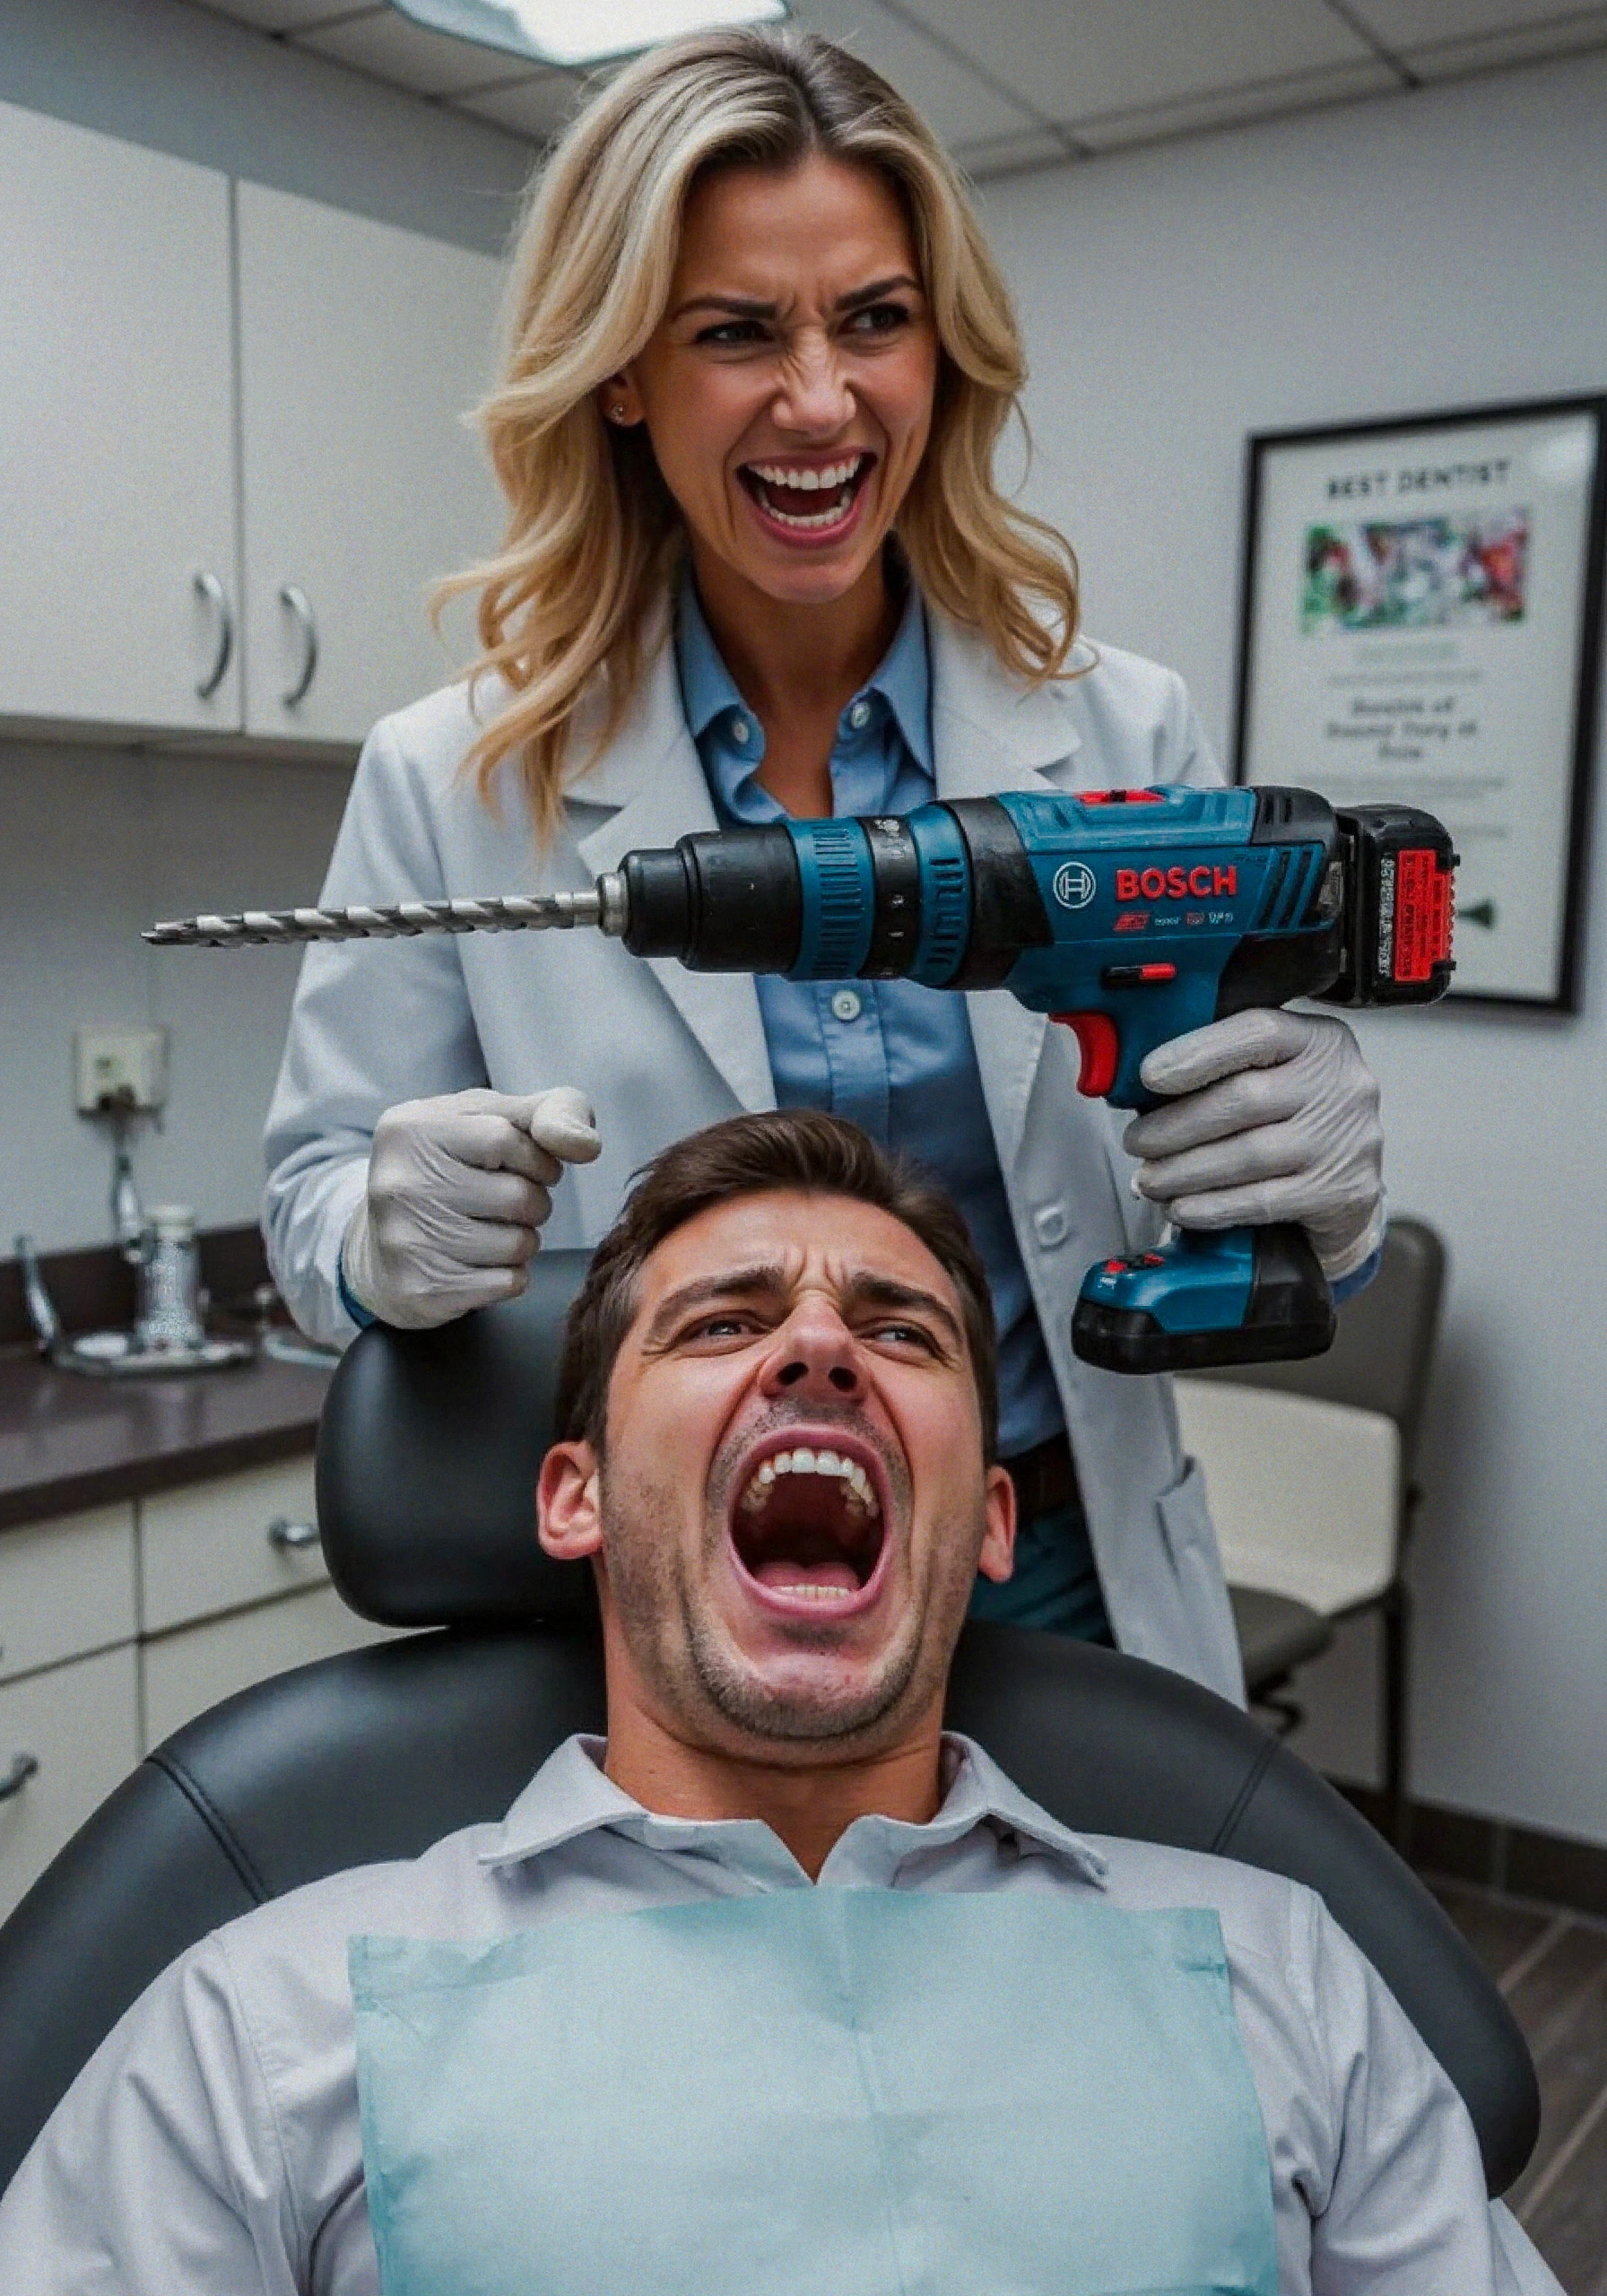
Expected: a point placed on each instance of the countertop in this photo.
(68, 1442)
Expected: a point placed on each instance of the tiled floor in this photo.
(1553, 1968)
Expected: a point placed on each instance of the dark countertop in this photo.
(68, 1442)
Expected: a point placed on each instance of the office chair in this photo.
(1311, 1472)
(427, 1459)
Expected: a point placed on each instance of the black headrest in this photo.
(427, 1451)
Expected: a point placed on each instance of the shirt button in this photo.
(846, 1003)
(859, 715)
(742, 733)
(1050, 1225)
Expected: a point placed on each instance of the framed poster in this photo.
(1422, 622)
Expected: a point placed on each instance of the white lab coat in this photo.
(661, 1051)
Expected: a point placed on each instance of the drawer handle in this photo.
(296, 601)
(291, 1538)
(23, 1767)
(208, 586)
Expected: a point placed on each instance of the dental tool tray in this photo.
(115, 1355)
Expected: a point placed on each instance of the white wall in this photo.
(1422, 252)
(96, 845)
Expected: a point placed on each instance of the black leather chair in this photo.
(426, 1464)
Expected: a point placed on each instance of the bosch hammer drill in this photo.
(1131, 915)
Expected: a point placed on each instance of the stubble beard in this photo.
(682, 1654)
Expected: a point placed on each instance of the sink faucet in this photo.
(41, 1307)
(129, 1227)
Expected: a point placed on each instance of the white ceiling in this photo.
(1011, 83)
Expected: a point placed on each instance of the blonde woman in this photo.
(757, 563)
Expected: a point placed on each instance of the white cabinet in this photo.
(226, 414)
(65, 1588)
(361, 347)
(120, 1624)
(218, 1546)
(187, 1672)
(69, 1723)
(116, 432)
(67, 1737)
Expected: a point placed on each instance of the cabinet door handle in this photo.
(291, 1538)
(298, 604)
(208, 586)
(23, 1767)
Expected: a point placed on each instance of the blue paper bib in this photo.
(817, 2092)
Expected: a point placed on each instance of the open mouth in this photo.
(808, 1526)
(808, 500)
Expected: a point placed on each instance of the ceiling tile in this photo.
(1232, 107)
(959, 105)
(1008, 155)
(1529, 44)
(536, 107)
(279, 16)
(1428, 23)
(391, 47)
(1071, 59)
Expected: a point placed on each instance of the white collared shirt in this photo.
(211, 2145)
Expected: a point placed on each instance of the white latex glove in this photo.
(458, 1190)
(1277, 1118)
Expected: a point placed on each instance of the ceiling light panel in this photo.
(1075, 59)
(581, 31)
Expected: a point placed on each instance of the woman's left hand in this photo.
(1275, 1117)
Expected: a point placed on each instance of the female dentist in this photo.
(757, 563)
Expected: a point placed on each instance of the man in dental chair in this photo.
(779, 1988)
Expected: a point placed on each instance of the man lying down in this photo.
(777, 1989)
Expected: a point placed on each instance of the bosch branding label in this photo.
(1206, 880)
(1074, 885)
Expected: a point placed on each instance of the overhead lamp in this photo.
(581, 31)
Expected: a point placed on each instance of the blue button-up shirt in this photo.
(892, 1057)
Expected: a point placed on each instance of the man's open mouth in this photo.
(808, 1525)
(808, 498)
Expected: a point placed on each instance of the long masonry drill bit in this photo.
(601, 905)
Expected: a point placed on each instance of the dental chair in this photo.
(427, 1460)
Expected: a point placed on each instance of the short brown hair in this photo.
(753, 1155)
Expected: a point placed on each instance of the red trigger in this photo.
(1100, 1048)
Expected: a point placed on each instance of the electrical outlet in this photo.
(120, 1068)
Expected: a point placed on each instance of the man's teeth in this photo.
(859, 1488)
(808, 481)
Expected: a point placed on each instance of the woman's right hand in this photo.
(459, 1189)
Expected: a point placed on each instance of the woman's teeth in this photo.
(807, 481)
(772, 481)
(858, 1490)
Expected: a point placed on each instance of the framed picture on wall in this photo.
(1422, 622)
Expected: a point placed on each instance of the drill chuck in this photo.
(945, 896)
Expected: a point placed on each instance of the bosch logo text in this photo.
(1074, 885)
(1203, 881)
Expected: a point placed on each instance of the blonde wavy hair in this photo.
(574, 602)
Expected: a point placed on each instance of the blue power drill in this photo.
(1130, 915)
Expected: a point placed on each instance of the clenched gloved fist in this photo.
(1276, 1117)
(457, 1190)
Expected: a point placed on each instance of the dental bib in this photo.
(815, 2092)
